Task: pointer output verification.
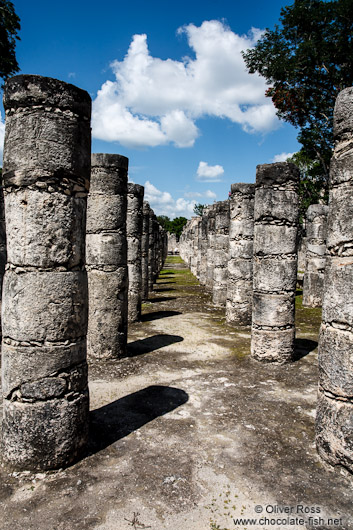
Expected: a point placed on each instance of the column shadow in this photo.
(303, 347)
(161, 299)
(140, 347)
(148, 317)
(114, 421)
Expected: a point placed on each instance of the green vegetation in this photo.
(199, 208)
(306, 61)
(173, 227)
(9, 26)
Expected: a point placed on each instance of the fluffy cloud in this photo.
(282, 157)
(208, 173)
(2, 136)
(155, 102)
(163, 203)
(197, 195)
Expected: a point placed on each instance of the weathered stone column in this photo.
(334, 419)
(210, 246)
(240, 258)
(134, 239)
(316, 234)
(151, 251)
(275, 262)
(46, 176)
(203, 246)
(3, 254)
(144, 249)
(220, 253)
(107, 257)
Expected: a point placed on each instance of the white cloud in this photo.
(163, 203)
(197, 195)
(282, 157)
(2, 136)
(208, 173)
(154, 101)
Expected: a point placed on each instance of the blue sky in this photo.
(169, 88)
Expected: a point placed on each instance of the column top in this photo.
(279, 173)
(28, 90)
(109, 160)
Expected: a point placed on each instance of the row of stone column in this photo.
(328, 277)
(77, 235)
(244, 250)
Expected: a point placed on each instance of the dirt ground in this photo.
(188, 432)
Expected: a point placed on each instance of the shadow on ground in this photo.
(110, 423)
(303, 347)
(139, 347)
(161, 299)
(148, 317)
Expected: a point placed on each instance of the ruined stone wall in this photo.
(134, 221)
(275, 262)
(220, 253)
(107, 257)
(316, 234)
(240, 258)
(172, 243)
(46, 173)
(334, 419)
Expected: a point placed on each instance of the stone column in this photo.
(240, 258)
(334, 419)
(3, 254)
(275, 262)
(134, 239)
(46, 176)
(151, 252)
(316, 233)
(203, 247)
(220, 253)
(144, 249)
(210, 246)
(107, 257)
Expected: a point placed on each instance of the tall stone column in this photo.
(316, 234)
(144, 249)
(275, 262)
(210, 246)
(220, 253)
(46, 176)
(240, 258)
(334, 418)
(134, 239)
(203, 246)
(151, 251)
(107, 257)
(3, 253)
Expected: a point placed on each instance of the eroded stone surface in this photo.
(107, 257)
(46, 177)
(275, 262)
(334, 424)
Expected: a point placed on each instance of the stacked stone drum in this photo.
(275, 262)
(46, 176)
(334, 419)
(107, 257)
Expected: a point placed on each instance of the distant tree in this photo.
(177, 225)
(199, 208)
(164, 221)
(307, 61)
(9, 26)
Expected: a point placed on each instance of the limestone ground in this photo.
(188, 432)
